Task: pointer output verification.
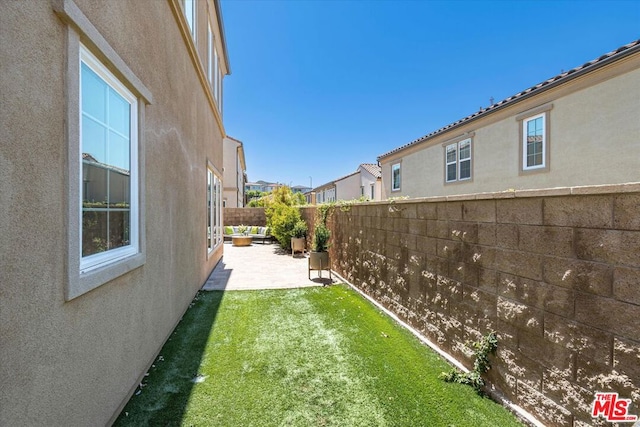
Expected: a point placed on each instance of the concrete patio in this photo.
(262, 266)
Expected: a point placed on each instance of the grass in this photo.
(302, 357)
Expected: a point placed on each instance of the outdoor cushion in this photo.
(254, 230)
(235, 229)
(228, 230)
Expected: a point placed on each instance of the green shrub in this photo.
(299, 199)
(482, 348)
(282, 216)
(300, 229)
(321, 238)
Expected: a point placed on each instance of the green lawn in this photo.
(301, 357)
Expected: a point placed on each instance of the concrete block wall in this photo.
(556, 273)
(244, 216)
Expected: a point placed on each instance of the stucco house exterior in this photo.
(370, 181)
(348, 186)
(578, 128)
(366, 182)
(110, 195)
(263, 186)
(235, 173)
(326, 192)
(300, 189)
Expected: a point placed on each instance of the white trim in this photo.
(216, 79)
(393, 167)
(457, 162)
(460, 159)
(101, 259)
(451, 148)
(190, 15)
(525, 122)
(211, 48)
(214, 210)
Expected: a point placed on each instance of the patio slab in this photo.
(262, 266)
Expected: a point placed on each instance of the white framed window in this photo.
(216, 78)
(395, 177)
(108, 175)
(214, 211)
(190, 14)
(220, 97)
(210, 50)
(458, 161)
(534, 142)
(372, 191)
(105, 158)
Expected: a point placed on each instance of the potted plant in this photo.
(299, 237)
(319, 257)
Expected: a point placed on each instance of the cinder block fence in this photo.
(244, 216)
(556, 273)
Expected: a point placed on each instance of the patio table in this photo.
(241, 240)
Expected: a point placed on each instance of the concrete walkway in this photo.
(262, 267)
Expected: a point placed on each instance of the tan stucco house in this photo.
(326, 192)
(110, 195)
(365, 182)
(581, 127)
(234, 174)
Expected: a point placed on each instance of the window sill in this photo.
(85, 282)
(532, 171)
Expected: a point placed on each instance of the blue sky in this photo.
(318, 87)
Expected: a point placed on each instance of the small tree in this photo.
(321, 237)
(300, 229)
(281, 215)
(299, 199)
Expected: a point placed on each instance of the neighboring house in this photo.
(300, 189)
(270, 186)
(578, 128)
(235, 175)
(252, 186)
(264, 186)
(366, 182)
(110, 195)
(326, 192)
(370, 181)
(348, 187)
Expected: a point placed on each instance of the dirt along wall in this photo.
(556, 273)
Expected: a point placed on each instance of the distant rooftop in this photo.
(373, 169)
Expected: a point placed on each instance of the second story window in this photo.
(190, 14)
(395, 177)
(210, 51)
(534, 142)
(458, 161)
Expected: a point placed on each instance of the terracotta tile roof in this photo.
(373, 169)
(564, 77)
